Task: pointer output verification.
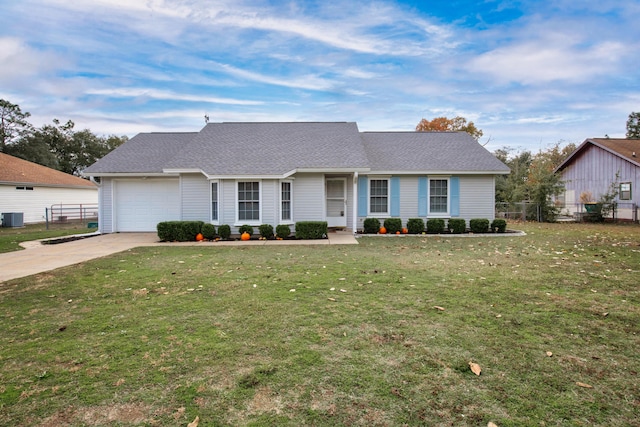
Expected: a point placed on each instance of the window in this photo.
(625, 191)
(379, 196)
(214, 201)
(249, 201)
(438, 196)
(285, 201)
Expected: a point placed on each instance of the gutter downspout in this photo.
(354, 228)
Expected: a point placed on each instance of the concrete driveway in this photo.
(37, 258)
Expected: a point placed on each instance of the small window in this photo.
(285, 201)
(625, 191)
(249, 201)
(214, 201)
(379, 196)
(438, 196)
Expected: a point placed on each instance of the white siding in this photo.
(105, 221)
(269, 202)
(228, 202)
(477, 197)
(32, 203)
(308, 197)
(195, 192)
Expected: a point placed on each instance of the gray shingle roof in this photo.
(274, 149)
(144, 153)
(428, 151)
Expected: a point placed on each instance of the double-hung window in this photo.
(625, 191)
(438, 196)
(249, 201)
(379, 196)
(214, 201)
(285, 201)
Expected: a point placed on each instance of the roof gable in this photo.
(19, 171)
(627, 149)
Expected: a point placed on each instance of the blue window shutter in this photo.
(362, 196)
(395, 196)
(423, 196)
(454, 193)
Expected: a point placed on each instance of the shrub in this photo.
(498, 225)
(208, 231)
(393, 225)
(457, 225)
(266, 231)
(371, 225)
(435, 225)
(246, 228)
(283, 231)
(224, 231)
(479, 225)
(415, 225)
(311, 229)
(178, 231)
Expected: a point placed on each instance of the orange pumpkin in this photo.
(199, 237)
(398, 232)
(383, 230)
(245, 236)
(405, 230)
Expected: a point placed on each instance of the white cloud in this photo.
(167, 95)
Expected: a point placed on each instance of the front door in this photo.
(336, 191)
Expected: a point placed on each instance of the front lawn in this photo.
(378, 334)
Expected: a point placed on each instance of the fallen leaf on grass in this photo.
(549, 354)
(343, 290)
(437, 307)
(195, 422)
(490, 424)
(583, 385)
(331, 299)
(475, 368)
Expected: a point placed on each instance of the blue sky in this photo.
(528, 73)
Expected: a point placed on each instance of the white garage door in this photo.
(141, 205)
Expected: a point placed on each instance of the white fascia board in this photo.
(443, 172)
(129, 174)
(246, 177)
(333, 170)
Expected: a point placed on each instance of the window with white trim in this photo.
(625, 191)
(438, 196)
(285, 201)
(214, 201)
(379, 196)
(249, 201)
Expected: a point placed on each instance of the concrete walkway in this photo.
(37, 258)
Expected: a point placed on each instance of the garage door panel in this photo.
(141, 205)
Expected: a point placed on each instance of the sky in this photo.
(529, 73)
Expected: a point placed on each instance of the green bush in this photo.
(415, 225)
(178, 231)
(479, 225)
(246, 228)
(371, 225)
(224, 231)
(283, 231)
(266, 231)
(435, 225)
(457, 225)
(311, 229)
(498, 225)
(208, 231)
(393, 225)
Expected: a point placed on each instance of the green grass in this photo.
(10, 238)
(256, 335)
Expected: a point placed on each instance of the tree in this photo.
(633, 125)
(13, 124)
(444, 124)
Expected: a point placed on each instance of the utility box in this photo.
(13, 219)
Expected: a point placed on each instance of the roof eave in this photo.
(439, 172)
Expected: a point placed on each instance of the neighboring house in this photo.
(592, 168)
(281, 173)
(30, 188)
